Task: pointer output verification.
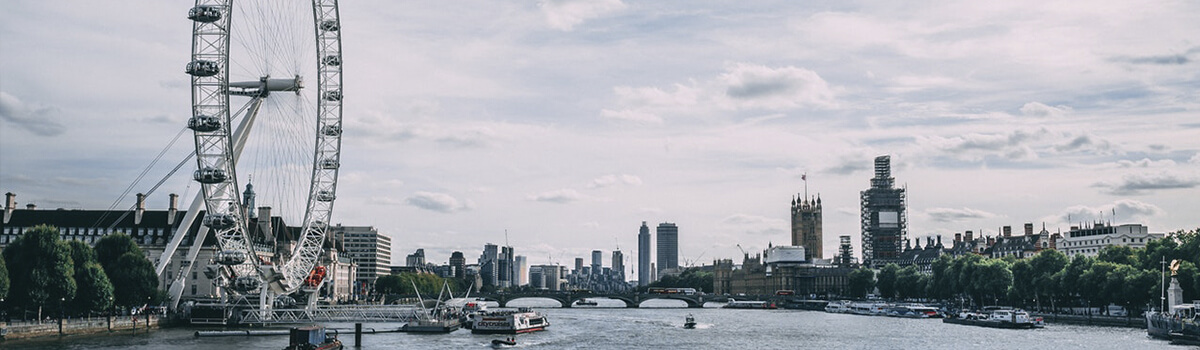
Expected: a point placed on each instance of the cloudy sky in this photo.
(568, 123)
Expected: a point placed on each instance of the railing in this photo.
(370, 313)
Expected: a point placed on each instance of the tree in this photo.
(1023, 281)
(1043, 267)
(1069, 278)
(1095, 285)
(95, 292)
(860, 282)
(941, 283)
(1118, 254)
(3, 279)
(886, 280)
(690, 278)
(41, 270)
(993, 278)
(910, 283)
(111, 247)
(134, 279)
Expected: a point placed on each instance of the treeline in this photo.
(1118, 275)
(40, 271)
(429, 285)
(690, 278)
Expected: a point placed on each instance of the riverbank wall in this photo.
(77, 326)
(1093, 320)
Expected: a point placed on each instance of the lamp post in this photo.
(112, 309)
(61, 313)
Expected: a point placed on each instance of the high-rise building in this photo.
(489, 265)
(459, 263)
(578, 265)
(668, 246)
(597, 261)
(368, 248)
(644, 255)
(505, 268)
(806, 227)
(415, 259)
(618, 265)
(522, 271)
(884, 221)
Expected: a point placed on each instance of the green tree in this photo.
(3, 279)
(111, 247)
(860, 282)
(1069, 278)
(133, 279)
(992, 279)
(1157, 253)
(40, 268)
(910, 283)
(1023, 281)
(1044, 265)
(941, 284)
(95, 293)
(689, 278)
(1096, 286)
(1118, 254)
(885, 280)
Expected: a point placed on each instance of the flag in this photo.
(804, 177)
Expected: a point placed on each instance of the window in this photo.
(193, 289)
(193, 277)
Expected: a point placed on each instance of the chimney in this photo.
(173, 209)
(1029, 229)
(10, 204)
(31, 206)
(1007, 231)
(939, 240)
(928, 242)
(141, 208)
(957, 237)
(970, 236)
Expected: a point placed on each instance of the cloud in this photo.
(439, 202)
(956, 215)
(566, 14)
(1124, 209)
(848, 166)
(1145, 163)
(1014, 145)
(1084, 143)
(1038, 109)
(1162, 60)
(562, 196)
(758, 86)
(467, 138)
(755, 224)
(635, 116)
(1135, 184)
(39, 120)
(612, 180)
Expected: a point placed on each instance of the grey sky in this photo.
(570, 122)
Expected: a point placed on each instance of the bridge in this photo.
(632, 300)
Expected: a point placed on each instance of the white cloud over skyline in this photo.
(568, 123)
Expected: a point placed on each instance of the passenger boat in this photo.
(838, 307)
(586, 302)
(522, 320)
(996, 318)
(470, 312)
(913, 311)
(431, 325)
(689, 322)
(749, 305)
(869, 308)
(311, 338)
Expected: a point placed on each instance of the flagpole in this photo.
(804, 177)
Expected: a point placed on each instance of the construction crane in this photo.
(743, 250)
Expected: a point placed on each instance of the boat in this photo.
(913, 311)
(995, 318)
(869, 308)
(689, 322)
(1179, 322)
(470, 312)
(504, 343)
(442, 318)
(749, 305)
(838, 307)
(522, 320)
(311, 338)
(586, 302)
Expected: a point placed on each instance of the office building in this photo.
(618, 265)
(644, 255)
(668, 246)
(459, 263)
(597, 257)
(369, 249)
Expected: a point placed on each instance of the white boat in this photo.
(522, 320)
(838, 307)
(689, 322)
(869, 308)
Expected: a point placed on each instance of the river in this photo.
(661, 327)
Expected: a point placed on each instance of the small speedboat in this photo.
(689, 322)
(504, 343)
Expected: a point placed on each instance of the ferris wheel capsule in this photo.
(330, 25)
(230, 257)
(333, 95)
(332, 60)
(332, 130)
(204, 123)
(202, 68)
(219, 221)
(210, 175)
(206, 14)
(246, 284)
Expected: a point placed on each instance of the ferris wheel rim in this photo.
(217, 150)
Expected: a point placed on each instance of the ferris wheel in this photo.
(266, 80)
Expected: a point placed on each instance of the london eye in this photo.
(266, 84)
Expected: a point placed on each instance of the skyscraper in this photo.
(668, 246)
(489, 265)
(644, 255)
(522, 273)
(597, 261)
(618, 265)
(884, 221)
(459, 262)
(806, 226)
